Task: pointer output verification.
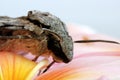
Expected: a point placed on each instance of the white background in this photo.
(102, 15)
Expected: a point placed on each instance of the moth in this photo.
(39, 33)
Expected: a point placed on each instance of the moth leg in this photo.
(48, 67)
(35, 59)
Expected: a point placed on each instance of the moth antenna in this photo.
(91, 41)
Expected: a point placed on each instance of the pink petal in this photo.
(86, 68)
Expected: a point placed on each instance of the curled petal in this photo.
(39, 66)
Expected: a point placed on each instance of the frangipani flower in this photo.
(92, 61)
(16, 67)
